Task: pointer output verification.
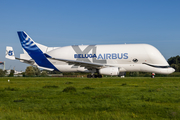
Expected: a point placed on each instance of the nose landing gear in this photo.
(153, 75)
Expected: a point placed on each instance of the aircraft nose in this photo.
(173, 70)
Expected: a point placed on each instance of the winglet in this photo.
(10, 53)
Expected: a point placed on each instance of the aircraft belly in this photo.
(70, 68)
(131, 67)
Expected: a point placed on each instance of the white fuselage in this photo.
(100, 59)
(128, 57)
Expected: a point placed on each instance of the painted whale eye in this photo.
(135, 60)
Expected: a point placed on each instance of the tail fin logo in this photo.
(26, 41)
(10, 53)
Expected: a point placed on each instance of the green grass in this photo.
(91, 99)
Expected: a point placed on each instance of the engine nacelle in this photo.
(109, 71)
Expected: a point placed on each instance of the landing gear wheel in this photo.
(99, 76)
(95, 76)
(153, 74)
(89, 76)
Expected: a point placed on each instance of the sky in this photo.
(58, 23)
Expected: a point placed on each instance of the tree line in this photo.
(31, 71)
(34, 71)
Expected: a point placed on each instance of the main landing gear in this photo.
(94, 76)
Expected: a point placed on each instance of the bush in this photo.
(69, 89)
(123, 84)
(29, 71)
(50, 86)
(11, 73)
(2, 73)
(44, 74)
(69, 83)
(87, 88)
(32, 71)
(11, 89)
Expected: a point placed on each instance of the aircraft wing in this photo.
(87, 65)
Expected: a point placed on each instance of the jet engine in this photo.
(110, 71)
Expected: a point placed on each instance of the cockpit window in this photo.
(135, 60)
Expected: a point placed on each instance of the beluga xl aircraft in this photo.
(97, 60)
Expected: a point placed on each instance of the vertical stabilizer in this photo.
(34, 51)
